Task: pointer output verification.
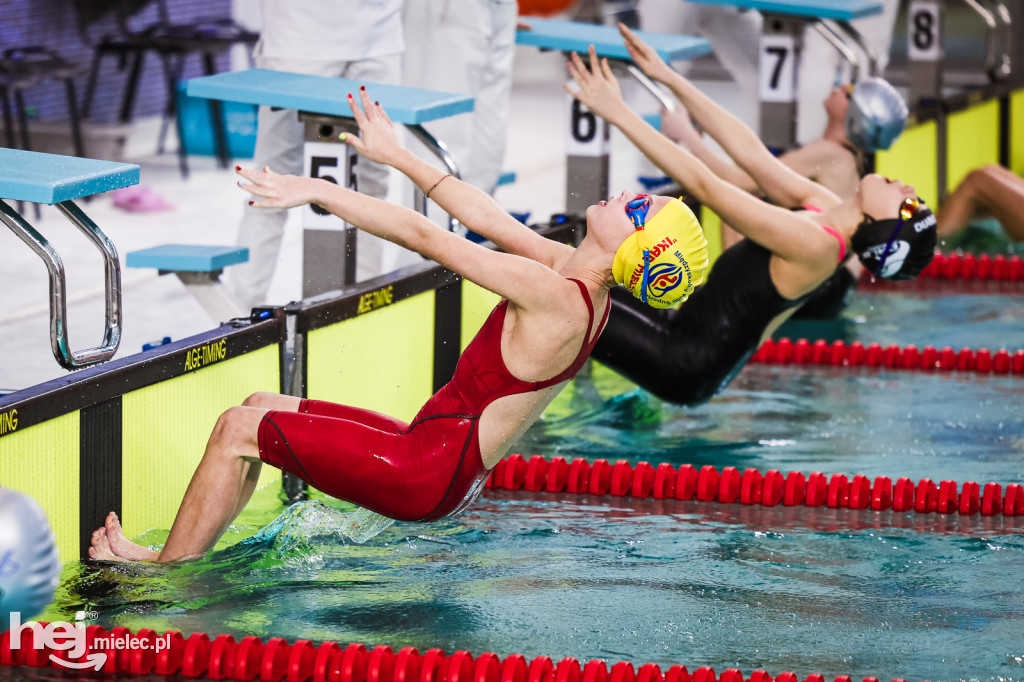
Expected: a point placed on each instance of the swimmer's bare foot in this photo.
(100, 548)
(122, 546)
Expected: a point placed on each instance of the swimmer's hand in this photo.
(597, 88)
(378, 138)
(677, 126)
(646, 57)
(279, 191)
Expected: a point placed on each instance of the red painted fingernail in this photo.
(250, 203)
(362, 87)
(350, 95)
(238, 168)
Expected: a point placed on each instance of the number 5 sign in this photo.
(334, 162)
(777, 68)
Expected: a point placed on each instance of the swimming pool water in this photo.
(926, 313)
(885, 594)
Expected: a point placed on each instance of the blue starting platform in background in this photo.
(52, 178)
(56, 179)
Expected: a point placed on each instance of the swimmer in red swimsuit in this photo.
(555, 304)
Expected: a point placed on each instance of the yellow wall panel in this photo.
(165, 427)
(913, 159)
(711, 225)
(477, 304)
(972, 140)
(382, 362)
(42, 461)
(1017, 132)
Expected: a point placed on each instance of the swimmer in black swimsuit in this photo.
(689, 354)
(860, 121)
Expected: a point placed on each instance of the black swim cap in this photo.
(896, 248)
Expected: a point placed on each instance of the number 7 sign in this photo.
(777, 77)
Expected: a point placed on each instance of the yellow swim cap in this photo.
(678, 254)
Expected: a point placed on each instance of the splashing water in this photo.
(303, 520)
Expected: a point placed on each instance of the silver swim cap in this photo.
(876, 115)
(29, 565)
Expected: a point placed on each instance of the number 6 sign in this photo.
(588, 134)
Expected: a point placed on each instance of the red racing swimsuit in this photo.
(422, 471)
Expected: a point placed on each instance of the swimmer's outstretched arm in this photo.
(526, 282)
(678, 127)
(378, 141)
(779, 182)
(778, 230)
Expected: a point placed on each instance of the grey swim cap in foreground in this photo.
(876, 115)
(29, 565)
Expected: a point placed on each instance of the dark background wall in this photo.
(56, 24)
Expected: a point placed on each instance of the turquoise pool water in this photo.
(825, 591)
(921, 313)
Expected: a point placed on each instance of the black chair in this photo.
(173, 43)
(23, 68)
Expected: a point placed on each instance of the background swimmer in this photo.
(689, 354)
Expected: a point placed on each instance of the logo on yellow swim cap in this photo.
(678, 256)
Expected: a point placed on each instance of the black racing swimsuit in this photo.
(689, 354)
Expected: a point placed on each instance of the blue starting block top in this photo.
(575, 36)
(837, 10)
(325, 95)
(187, 257)
(52, 178)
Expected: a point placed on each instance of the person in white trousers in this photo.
(465, 47)
(733, 33)
(360, 40)
(735, 37)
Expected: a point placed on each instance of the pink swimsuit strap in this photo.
(842, 242)
(839, 237)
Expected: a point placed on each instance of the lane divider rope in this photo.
(221, 657)
(840, 354)
(964, 266)
(751, 487)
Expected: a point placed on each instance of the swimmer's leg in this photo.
(226, 477)
(220, 486)
(989, 190)
(264, 401)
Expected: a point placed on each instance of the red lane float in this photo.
(961, 266)
(769, 489)
(302, 661)
(910, 357)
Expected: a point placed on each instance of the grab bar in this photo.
(68, 358)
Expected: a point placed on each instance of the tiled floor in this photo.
(206, 210)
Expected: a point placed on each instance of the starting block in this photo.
(199, 268)
(588, 142)
(322, 104)
(780, 47)
(59, 180)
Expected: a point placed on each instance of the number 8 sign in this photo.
(924, 39)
